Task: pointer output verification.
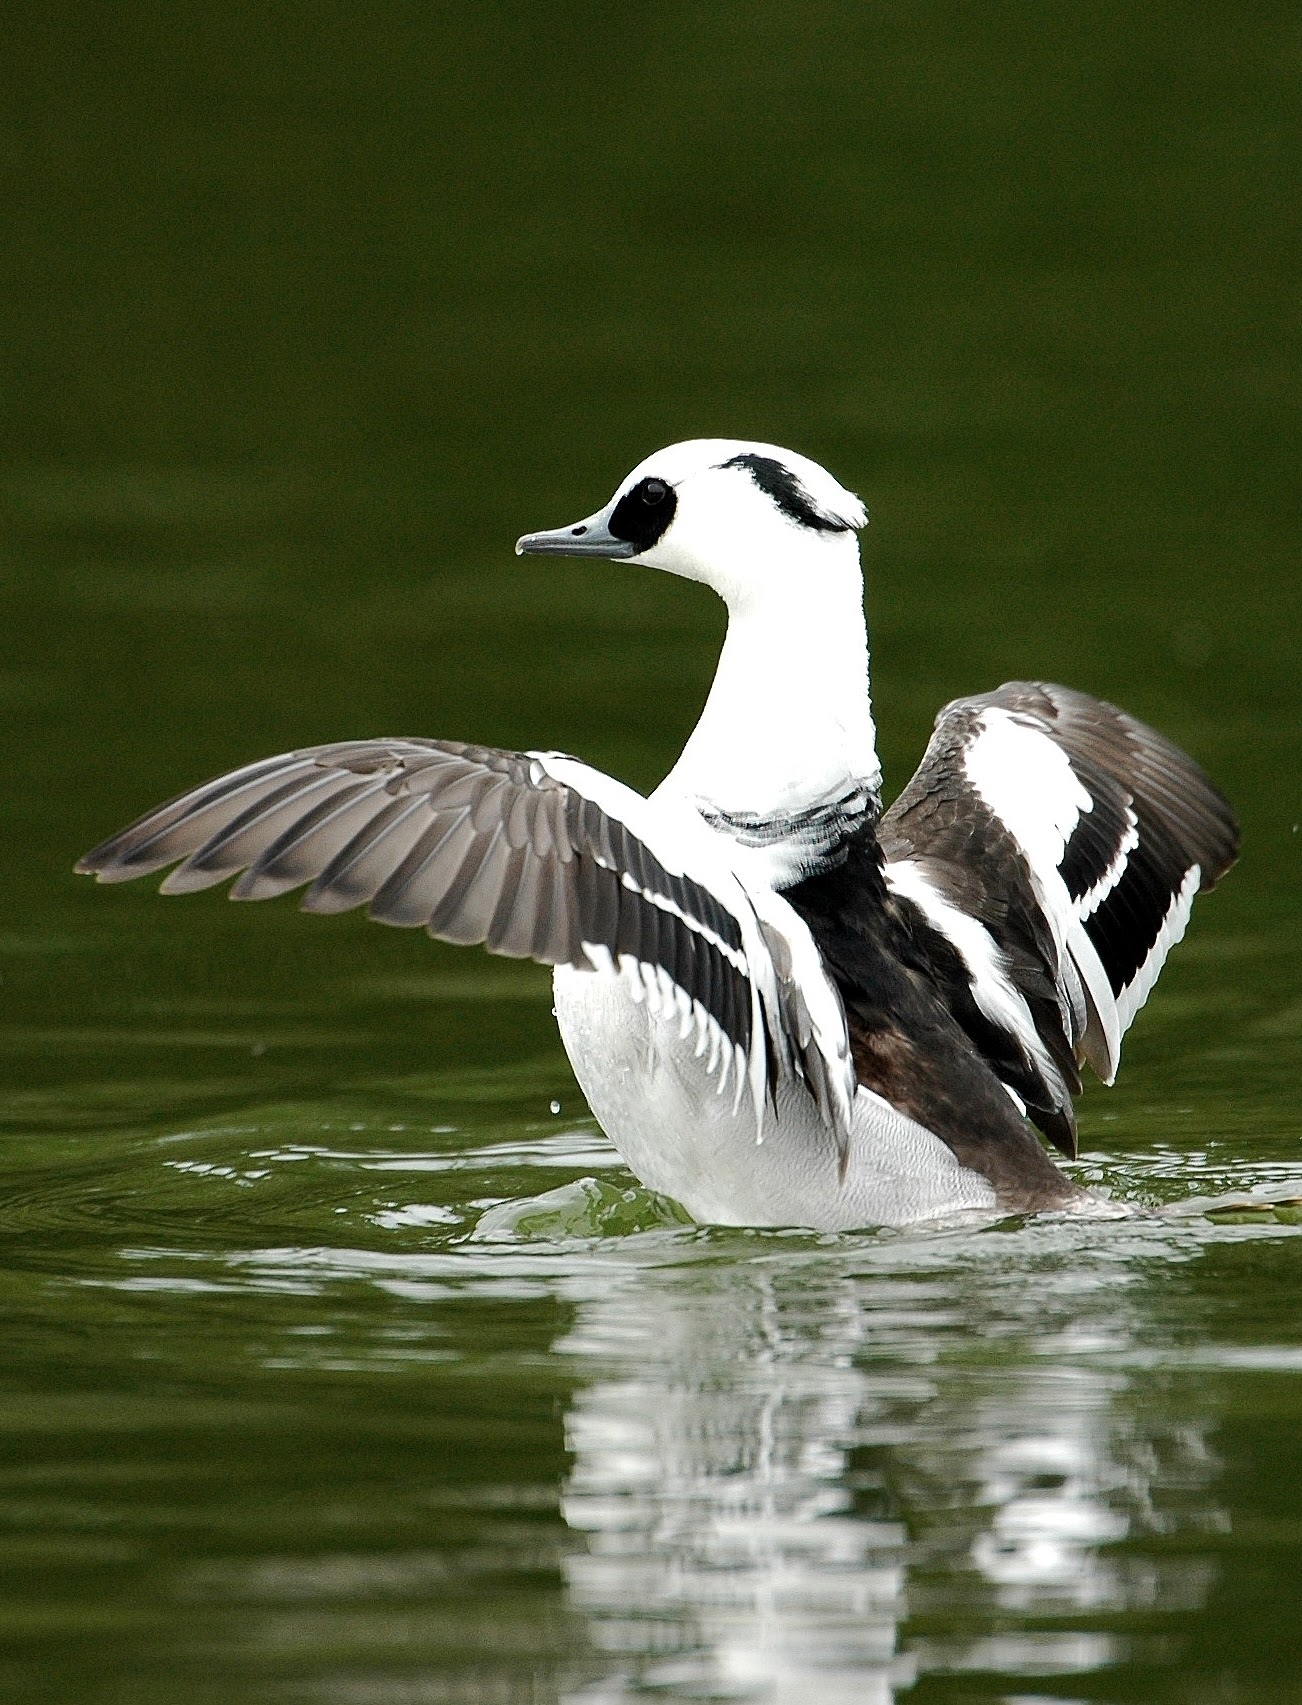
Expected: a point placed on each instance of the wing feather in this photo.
(531, 854)
(359, 869)
(309, 842)
(1054, 844)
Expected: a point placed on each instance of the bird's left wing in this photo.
(533, 854)
(1046, 855)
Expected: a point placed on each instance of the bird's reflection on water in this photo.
(437, 1431)
(833, 1476)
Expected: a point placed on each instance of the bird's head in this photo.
(735, 515)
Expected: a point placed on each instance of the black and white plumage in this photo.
(1055, 845)
(784, 1006)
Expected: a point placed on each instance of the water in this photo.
(344, 1362)
(323, 1402)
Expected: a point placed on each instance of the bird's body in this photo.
(642, 1080)
(783, 1006)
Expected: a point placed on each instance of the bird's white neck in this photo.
(788, 721)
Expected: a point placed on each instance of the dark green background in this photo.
(306, 311)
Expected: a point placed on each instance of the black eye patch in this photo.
(642, 515)
(779, 483)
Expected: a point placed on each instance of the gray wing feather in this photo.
(246, 835)
(430, 875)
(309, 843)
(360, 868)
(191, 820)
(468, 842)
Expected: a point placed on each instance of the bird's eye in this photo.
(645, 513)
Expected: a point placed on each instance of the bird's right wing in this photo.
(533, 854)
(1047, 854)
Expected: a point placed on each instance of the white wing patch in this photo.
(1027, 780)
(1029, 783)
(992, 987)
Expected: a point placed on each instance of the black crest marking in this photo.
(778, 482)
(642, 516)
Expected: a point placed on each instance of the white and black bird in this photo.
(784, 1006)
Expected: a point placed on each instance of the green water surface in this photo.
(343, 1361)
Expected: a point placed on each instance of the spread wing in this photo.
(1046, 856)
(533, 854)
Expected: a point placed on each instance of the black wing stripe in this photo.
(733, 1009)
(1125, 926)
(598, 889)
(1129, 857)
(709, 987)
(1097, 842)
(626, 852)
(639, 925)
(587, 827)
(677, 892)
(687, 971)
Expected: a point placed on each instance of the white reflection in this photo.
(1050, 1515)
(724, 1554)
(799, 1482)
